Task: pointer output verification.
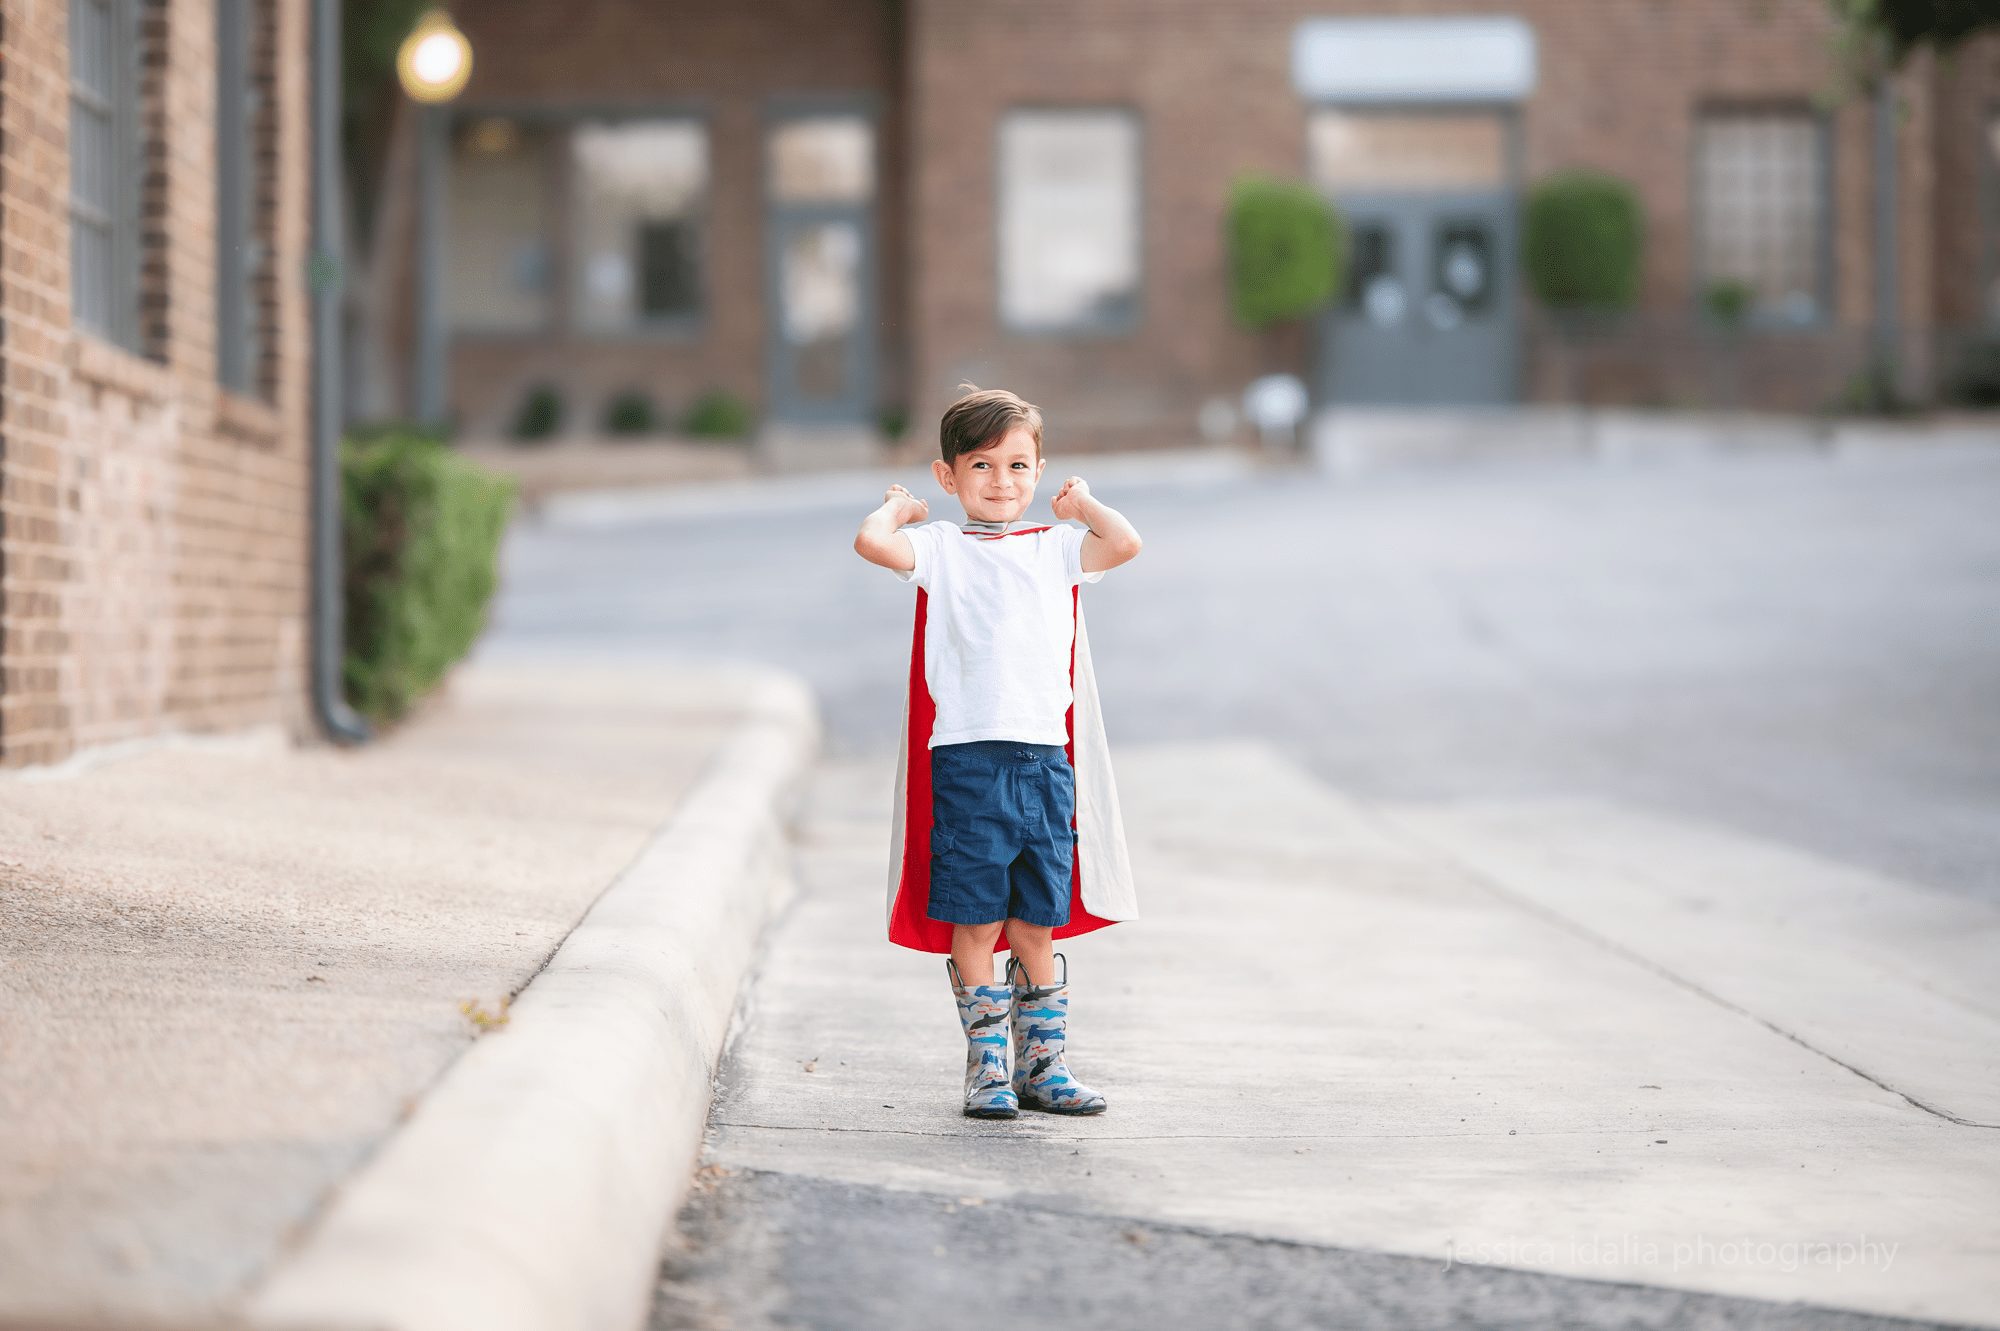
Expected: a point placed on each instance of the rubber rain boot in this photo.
(984, 1010)
(1041, 1024)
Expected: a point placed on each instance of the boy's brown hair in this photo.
(982, 417)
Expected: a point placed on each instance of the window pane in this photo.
(1350, 150)
(1069, 218)
(638, 188)
(820, 276)
(1762, 205)
(90, 46)
(824, 159)
(667, 268)
(90, 276)
(90, 176)
(496, 264)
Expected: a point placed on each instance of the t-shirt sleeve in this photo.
(1072, 548)
(923, 540)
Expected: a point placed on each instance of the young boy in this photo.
(1003, 660)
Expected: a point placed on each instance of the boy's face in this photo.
(996, 483)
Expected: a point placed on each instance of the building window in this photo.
(1761, 193)
(1069, 220)
(496, 247)
(104, 169)
(638, 189)
(1992, 174)
(243, 204)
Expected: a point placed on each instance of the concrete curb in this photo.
(534, 1185)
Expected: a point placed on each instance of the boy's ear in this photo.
(944, 476)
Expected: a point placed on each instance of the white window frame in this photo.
(1122, 323)
(1764, 315)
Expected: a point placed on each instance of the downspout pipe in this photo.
(324, 278)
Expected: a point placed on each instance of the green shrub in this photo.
(1581, 242)
(422, 528)
(1872, 391)
(367, 432)
(719, 414)
(1287, 250)
(1729, 300)
(541, 413)
(630, 412)
(1974, 380)
(892, 421)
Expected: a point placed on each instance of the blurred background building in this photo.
(834, 215)
(154, 191)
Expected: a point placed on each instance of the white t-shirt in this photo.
(998, 635)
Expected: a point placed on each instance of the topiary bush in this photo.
(1287, 250)
(1729, 301)
(422, 529)
(719, 414)
(541, 413)
(1582, 241)
(630, 412)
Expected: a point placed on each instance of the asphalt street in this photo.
(1803, 647)
(1543, 756)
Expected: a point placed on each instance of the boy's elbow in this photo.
(1130, 547)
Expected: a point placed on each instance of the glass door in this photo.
(820, 187)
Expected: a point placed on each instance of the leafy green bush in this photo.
(1872, 391)
(719, 414)
(1581, 242)
(630, 412)
(422, 528)
(541, 413)
(1287, 250)
(1974, 380)
(1729, 300)
(892, 421)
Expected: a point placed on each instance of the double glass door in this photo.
(1426, 315)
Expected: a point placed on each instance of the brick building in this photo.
(828, 217)
(154, 385)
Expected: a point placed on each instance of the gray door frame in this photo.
(1324, 329)
(1420, 361)
(856, 405)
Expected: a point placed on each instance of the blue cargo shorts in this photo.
(1002, 846)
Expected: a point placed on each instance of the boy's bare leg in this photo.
(972, 951)
(1033, 946)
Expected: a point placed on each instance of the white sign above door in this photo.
(1413, 59)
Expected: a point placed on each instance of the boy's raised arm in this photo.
(880, 541)
(1112, 539)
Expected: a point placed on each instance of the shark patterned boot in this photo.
(983, 1010)
(1041, 1026)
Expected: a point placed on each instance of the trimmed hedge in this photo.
(422, 530)
(1581, 242)
(631, 412)
(719, 414)
(1287, 250)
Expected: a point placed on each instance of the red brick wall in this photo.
(1620, 82)
(1618, 87)
(153, 564)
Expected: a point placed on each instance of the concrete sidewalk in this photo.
(234, 982)
(1521, 1065)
